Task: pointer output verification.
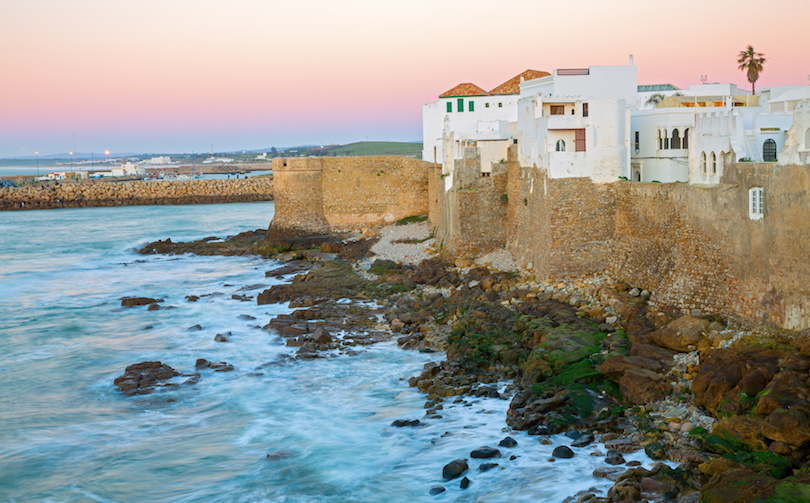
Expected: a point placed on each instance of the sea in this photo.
(68, 435)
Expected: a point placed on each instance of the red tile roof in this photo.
(512, 86)
(465, 89)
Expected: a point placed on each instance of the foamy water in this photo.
(67, 434)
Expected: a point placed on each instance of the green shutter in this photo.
(449, 106)
(460, 104)
(472, 108)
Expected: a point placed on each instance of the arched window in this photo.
(714, 164)
(807, 140)
(769, 151)
(703, 163)
(676, 139)
(685, 138)
(660, 141)
(560, 146)
(637, 176)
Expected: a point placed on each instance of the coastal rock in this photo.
(138, 301)
(142, 378)
(436, 489)
(280, 455)
(484, 467)
(454, 468)
(680, 334)
(399, 423)
(507, 442)
(562, 451)
(465, 483)
(485, 453)
(222, 337)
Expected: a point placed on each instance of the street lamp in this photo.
(107, 159)
(37, 153)
(72, 167)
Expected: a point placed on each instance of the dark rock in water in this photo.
(138, 301)
(243, 298)
(194, 327)
(573, 434)
(562, 452)
(583, 440)
(289, 268)
(655, 451)
(279, 455)
(614, 458)
(143, 377)
(221, 338)
(148, 327)
(399, 423)
(485, 467)
(454, 468)
(201, 363)
(538, 430)
(246, 317)
(608, 472)
(507, 442)
(437, 489)
(192, 298)
(485, 453)
(465, 483)
(320, 336)
(153, 307)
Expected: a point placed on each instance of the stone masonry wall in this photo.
(83, 194)
(692, 247)
(318, 194)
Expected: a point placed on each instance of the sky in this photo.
(172, 76)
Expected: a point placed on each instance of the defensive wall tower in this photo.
(298, 186)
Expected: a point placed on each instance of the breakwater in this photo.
(87, 194)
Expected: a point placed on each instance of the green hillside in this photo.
(360, 148)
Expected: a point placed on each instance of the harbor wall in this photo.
(94, 193)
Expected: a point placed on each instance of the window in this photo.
(471, 106)
(685, 143)
(703, 163)
(584, 109)
(500, 105)
(714, 164)
(449, 107)
(560, 146)
(676, 139)
(486, 105)
(769, 151)
(460, 106)
(579, 140)
(637, 145)
(756, 203)
(557, 109)
(660, 141)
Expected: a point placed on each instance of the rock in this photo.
(655, 451)
(608, 472)
(454, 468)
(615, 459)
(485, 453)
(465, 483)
(484, 467)
(221, 338)
(280, 455)
(640, 386)
(562, 451)
(153, 307)
(192, 298)
(437, 489)
(680, 334)
(396, 325)
(583, 440)
(507, 442)
(193, 328)
(321, 336)
(138, 301)
(400, 423)
(790, 426)
(742, 429)
(246, 317)
(142, 378)
(635, 292)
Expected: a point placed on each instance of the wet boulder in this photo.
(454, 468)
(138, 301)
(142, 378)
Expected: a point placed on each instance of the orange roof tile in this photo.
(512, 86)
(465, 89)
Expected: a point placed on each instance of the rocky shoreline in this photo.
(727, 406)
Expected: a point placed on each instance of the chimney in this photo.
(631, 60)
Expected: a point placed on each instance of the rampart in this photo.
(693, 247)
(84, 194)
(317, 194)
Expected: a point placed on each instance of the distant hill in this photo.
(407, 149)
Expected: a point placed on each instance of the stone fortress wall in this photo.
(318, 194)
(92, 193)
(693, 247)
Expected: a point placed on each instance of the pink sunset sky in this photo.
(170, 76)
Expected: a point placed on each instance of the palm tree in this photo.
(655, 99)
(752, 62)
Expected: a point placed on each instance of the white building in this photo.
(127, 169)
(470, 110)
(575, 123)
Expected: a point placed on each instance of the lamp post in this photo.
(72, 167)
(37, 153)
(107, 159)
